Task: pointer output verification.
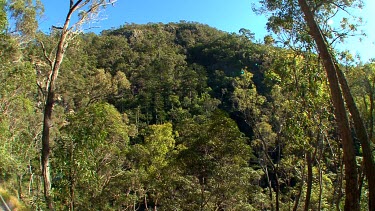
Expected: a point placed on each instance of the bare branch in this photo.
(90, 15)
(45, 54)
(341, 7)
(41, 89)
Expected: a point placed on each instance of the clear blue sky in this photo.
(225, 15)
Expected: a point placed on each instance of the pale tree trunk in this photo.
(340, 178)
(265, 170)
(321, 149)
(47, 119)
(48, 108)
(351, 175)
(55, 64)
(320, 187)
(300, 189)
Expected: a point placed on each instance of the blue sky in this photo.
(226, 15)
(222, 14)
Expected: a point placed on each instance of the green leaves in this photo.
(214, 158)
(90, 153)
(25, 13)
(3, 17)
(159, 142)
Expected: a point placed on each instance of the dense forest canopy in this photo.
(177, 116)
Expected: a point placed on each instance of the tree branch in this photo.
(45, 54)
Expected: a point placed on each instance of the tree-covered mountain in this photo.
(177, 116)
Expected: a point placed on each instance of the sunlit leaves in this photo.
(159, 141)
(3, 17)
(25, 13)
(90, 152)
(214, 158)
(285, 20)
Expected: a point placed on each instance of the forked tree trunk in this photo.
(269, 185)
(47, 119)
(48, 108)
(351, 175)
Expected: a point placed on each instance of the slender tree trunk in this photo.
(72, 195)
(201, 205)
(361, 133)
(320, 186)
(31, 181)
(364, 102)
(276, 170)
(48, 108)
(321, 150)
(338, 191)
(145, 201)
(351, 176)
(277, 191)
(156, 205)
(47, 121)
(20, 195)
(72, 178)
(309, 180)
(310, 157)
(371, 114)
(265, 169)
(296, 201)
(361, 178)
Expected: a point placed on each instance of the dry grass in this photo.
(13, 202)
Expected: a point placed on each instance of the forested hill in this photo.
(177, 116)
(183, 62)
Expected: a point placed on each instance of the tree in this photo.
(214, 161)
(90, 154)
(19, 116)
(3, 17)
(87, 10)
(361, 80)
(288, 13)
(299, 111)
(155, 156)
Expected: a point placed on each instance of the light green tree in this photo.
(88, 156)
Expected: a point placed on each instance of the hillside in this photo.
(177, 116)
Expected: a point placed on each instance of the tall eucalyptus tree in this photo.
(303, 24)
(88, 11)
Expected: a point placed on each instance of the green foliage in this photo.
(159, 116)
(3, 17)
(19, 117)
(214, 155)
(25, 13)
(89, 155)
